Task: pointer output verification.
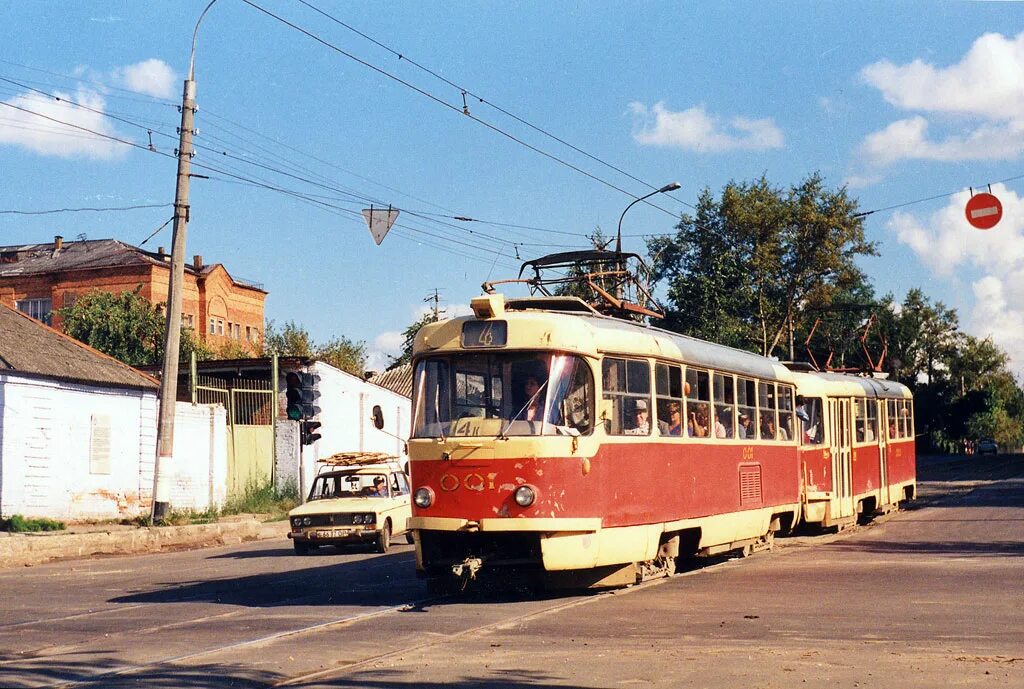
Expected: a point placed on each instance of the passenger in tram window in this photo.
(534, 404)
(892, 429)
(641, 419)
(801, 409)
(722, 423)
(767, 426)
(746, 429)
(697, 426)
(675, 419)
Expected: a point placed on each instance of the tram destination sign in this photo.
(484, 334)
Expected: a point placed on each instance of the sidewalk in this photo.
(85, 540)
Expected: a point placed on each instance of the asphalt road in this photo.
(931, 597)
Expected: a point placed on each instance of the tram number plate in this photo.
(331, 533)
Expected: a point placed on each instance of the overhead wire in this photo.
(485, 101)
(333, 187)
(463, 111)
(86, 209)
(151, 148)
(932, 198)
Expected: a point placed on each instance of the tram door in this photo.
(883, 452)
(841, 450)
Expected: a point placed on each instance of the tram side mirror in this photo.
(378, 418)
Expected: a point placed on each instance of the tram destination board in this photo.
(484, 334)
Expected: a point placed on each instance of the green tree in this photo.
(125, 326)
(745, 269)
(294, 340)
(290, 340)
(343, 353)
(409, 338)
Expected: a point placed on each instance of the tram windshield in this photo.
(503, 395)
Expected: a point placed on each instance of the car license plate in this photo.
(332, 533)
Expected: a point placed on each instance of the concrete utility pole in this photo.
(172, 331)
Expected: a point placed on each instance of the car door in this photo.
(401, 509)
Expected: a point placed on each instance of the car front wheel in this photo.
(384, 540)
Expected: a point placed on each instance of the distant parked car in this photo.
(987, 446)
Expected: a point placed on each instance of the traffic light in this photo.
(294, 394)
(310, 383)
(308, 432)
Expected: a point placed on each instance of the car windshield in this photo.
(503, 395)
(342, 485)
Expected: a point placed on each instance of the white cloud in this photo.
(988, 82)
(696, 130)
(984, 91)
(949, 246)
(150, 77)
(40, 124)
(908, 140)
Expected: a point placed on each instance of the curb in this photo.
(24, 550)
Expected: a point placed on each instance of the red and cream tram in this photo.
(549, 439)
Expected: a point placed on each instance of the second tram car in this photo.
(551, 440)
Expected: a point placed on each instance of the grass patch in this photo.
(20, 524)
(263, 498)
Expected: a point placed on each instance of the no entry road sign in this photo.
(984, 211)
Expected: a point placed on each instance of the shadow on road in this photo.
(383, 581)
(108, 673)
(955, 549)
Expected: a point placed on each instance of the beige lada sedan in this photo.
(360, 505)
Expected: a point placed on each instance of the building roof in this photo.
(397, 380)
(86, 254)
(33, 348)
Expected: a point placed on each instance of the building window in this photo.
(213, 326)
(238, 331)
(40, 309)
(220, 326)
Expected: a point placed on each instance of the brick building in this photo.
(37, 279)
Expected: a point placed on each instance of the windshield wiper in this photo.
(505, 427)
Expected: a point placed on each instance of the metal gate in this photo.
(250, 414)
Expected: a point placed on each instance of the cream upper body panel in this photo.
(592, 335)
(845, 385)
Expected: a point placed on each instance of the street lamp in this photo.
(172, 331)
(618, 235)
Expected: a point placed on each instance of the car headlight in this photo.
(307, 521)
(369, 518)
(423, 497)
(525, 495)
(297, 521)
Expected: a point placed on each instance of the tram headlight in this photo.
(525, 495)
(423, 497)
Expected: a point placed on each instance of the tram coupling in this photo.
(467, 569)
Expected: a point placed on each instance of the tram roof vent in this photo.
(571, 304)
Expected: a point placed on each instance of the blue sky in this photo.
(902, 101)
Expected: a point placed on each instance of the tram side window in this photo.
(698, 403)
(627, 385)
(905, 425)
(808, 411)
(893, 433)
(746, 408)
(767, 405)
(668, 386)
(725, 405)
(865, 424)
(786, 417)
